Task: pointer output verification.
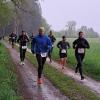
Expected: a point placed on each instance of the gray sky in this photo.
(84, 12)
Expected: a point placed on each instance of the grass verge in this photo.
(8, 79)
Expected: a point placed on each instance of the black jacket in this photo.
(80, 43)
(23, 39)
(13, 37)
(52, 38)
(63, 45)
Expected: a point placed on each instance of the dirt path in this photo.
(92, 84)
(28, 77)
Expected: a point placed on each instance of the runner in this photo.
(32, 36)
(63, 46)
(80, 45)
(22, 40)
(13, 38)
(41, 45)
(53, 39)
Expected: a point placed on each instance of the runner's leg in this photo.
(79, 65)
(24, 52)
(40, 66)
(21, 54)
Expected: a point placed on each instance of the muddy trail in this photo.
(88, 82)
(92, 84)
(27, 75)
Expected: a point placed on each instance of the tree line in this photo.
(71, 32)
(18, 15)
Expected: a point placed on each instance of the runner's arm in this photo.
(68, 45)
(54, 39)
(49, 44)
(74, 44)
(87, 44)
(33, 45)
(58, 45)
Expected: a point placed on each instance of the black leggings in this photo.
(41, 61)
(79, 58)
(13, 43)
(22, 54)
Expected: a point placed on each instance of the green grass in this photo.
(67, 85)
(92, 59)
(8, 84)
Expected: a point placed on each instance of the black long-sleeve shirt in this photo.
(13, 36)
(52, 38)
(63, 45)
(80, 43)
(23, 39)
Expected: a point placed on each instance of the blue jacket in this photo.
(41, 44)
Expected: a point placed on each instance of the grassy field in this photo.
(67, 85)
(8, 84)
(91, 61)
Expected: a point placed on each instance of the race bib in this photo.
(43, 54)
(24, 47)
(81, 50)
(13, 37)
(63, 51)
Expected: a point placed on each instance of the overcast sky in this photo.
(84, 12)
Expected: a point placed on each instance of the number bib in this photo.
(24, 47)
(13, 37)
(43, 54)
(81, 50)
(63, 51)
